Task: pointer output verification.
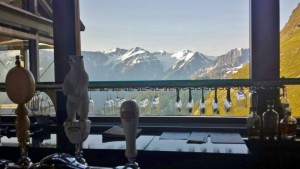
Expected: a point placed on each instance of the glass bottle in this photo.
(288, 125)
(253, 124)
(270, 120)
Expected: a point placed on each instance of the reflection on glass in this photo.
(107, 106)
(34, 104)
(112, 102)
(133, 98)
(253, 97)
(44, 106)
(190, 104)
(178, 104)
(202, 103)
(118, 101)
(241, 98)
(227, 102)
(215, 104)
(91, 103)
(284, 99)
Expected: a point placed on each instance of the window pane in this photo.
(164, 40)
(9, 49)
(290, 49)
(46, 59)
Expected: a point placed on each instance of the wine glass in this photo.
(202, 103)
(228, 102)
(178, 103)
(241, 98)
(215, 104)
(190, 104)
(91, 103)
(107, 105)
(144, 103)
(112, 102)
(34, 104)
(118, 103)
(253, 96)
(155, 101)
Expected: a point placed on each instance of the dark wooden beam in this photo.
(46, 8)
(264, 43)
(34, 59)
(23, 19)
(23, 35)
(33, 44)
(265, 47)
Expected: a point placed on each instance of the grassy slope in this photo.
(290, 57)
(236, 110)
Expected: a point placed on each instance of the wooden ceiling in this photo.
(41, 8)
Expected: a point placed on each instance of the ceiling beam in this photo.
(23, 19)
(23, 35)
(46, 7)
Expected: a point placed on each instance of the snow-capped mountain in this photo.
(187, 63)
(139, 64)
(224, 65)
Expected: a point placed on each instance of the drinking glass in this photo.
(178, 103)
(241, 98)
(228, 102)
(215, 104)
(202, 103)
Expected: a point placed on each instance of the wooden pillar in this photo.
(66, 33)
(33, 44)
(34, 61)
(264, 46)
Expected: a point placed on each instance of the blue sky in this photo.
(212, 27)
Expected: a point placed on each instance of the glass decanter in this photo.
(288, 125)
(253, 124)
(270, 120)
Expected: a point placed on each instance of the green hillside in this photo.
(290, 57)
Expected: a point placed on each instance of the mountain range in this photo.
(140, 64)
